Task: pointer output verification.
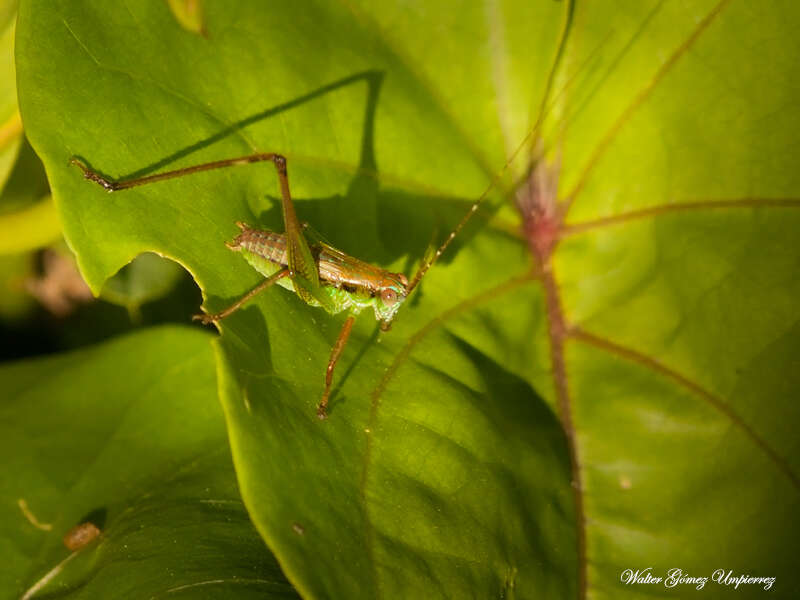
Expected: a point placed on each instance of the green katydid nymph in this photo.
(318, 273)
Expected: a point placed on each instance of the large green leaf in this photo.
(662, 337)
(128, 436)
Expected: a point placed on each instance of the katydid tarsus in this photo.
(318, 273)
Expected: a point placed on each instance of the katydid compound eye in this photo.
(389, 296)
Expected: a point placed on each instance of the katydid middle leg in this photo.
(206, 319)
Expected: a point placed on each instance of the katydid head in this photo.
(390, 295)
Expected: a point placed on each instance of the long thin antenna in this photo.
(425, 266)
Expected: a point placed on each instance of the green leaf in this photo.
(662, 337)
(128, 436)
(147, 278)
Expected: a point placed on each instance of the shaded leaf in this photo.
(128, 436)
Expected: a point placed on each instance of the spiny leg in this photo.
(336, 352)
(113, 186)
(207, 319)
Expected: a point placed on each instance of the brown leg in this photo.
(113, 186)
(336, 352)
(206, 319)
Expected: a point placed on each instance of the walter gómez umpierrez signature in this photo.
(675, 577)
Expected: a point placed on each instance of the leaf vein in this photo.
(638, 101)
(715, 401)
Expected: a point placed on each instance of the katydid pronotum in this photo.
(318, 273)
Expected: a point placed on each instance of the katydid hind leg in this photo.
(302, 265)
(336, 352)
(114, 185)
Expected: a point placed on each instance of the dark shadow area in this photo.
(96, 517)
(40, 331)
(249, 328)
(511, 402)
(517, 413)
